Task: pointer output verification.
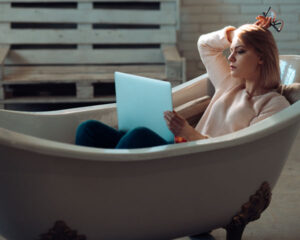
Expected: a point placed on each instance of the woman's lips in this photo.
(232, 67)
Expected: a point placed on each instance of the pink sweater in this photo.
(231, 108)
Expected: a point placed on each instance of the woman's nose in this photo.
(231, 57)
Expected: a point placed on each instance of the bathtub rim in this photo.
(278, 121)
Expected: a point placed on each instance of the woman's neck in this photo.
(253, 89)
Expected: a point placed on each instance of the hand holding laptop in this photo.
(180, 127)
(176, 123)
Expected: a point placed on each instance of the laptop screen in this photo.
(141, 102)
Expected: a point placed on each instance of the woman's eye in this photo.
(241, 51)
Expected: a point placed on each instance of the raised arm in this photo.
(211, 47)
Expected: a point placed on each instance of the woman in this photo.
(245, 87)
(245, 91)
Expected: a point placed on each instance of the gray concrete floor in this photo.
(281, 220)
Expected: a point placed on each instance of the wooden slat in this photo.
(175, 65)
(172, 8)
(9, 1)
(4, 49)
(82, 26)
(57, 78)
(159, 68)
(38, 100)
(82, 36)
(1, 94)
(87, 16)
(171, 54)
(110, 56)
(30, 78)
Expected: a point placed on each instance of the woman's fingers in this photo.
(267, 22)
(168, 116)
(264, 22)
(258, 23)
(174, 121)
(172, 116)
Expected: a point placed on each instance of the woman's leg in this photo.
(139, 138)
(93, 133)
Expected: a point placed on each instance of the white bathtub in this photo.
(153, 193)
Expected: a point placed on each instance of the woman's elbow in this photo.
(201, 45)
(201, 42)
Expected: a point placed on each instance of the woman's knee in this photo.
(97, 134)
(85, 126)
(141, 132)
(81, 132)
(85, 131)
(140, 137)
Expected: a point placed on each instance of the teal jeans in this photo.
(93, 133)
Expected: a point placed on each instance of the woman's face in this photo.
(244, 62)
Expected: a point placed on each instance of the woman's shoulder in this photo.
(274, 96)
(271, 101)
(268, 104)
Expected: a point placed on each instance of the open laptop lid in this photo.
(141, 102)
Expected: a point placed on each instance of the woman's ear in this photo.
(260, 61)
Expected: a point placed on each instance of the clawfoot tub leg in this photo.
(61, 231)
(250, 211)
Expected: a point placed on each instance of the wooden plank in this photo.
(85, 36)
(85, 26)
(109, 56)
(57, 78)
(71, 74)
(70, 78)
(4, 49)
(39, 100)
(21, 70)
(84, 90)
(1, 92)
(5, 6)
(159, 17)
(171, 53)
(172, 8)
(175, 65)
(9, 1)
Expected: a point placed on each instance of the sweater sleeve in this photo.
(274, 105)
(211, 47)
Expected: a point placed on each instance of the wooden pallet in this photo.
(67, 84)
(68, 51)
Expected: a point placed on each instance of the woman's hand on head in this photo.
(180, 127)
(264, 22)
(230, 33)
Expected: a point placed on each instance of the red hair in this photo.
(263, 43)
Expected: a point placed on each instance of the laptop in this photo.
(141, 102)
